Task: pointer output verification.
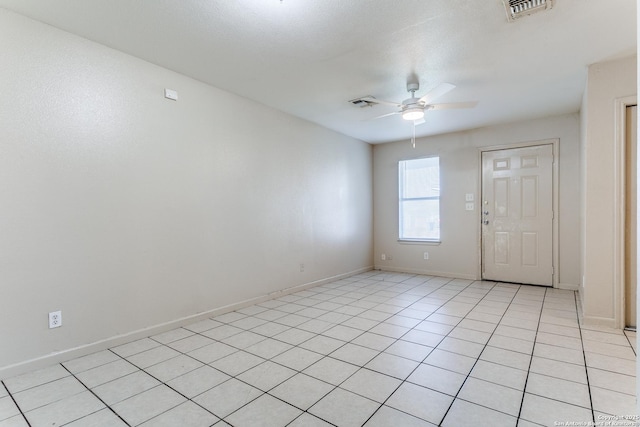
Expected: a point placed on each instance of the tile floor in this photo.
(375, 349)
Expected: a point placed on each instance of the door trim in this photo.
(619, 198)
(555, 143)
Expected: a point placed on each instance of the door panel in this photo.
(631, 215)
(517, 215)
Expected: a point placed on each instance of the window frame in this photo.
(401, 199)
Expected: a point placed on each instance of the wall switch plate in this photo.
(301, 268)
(383, 257)
(468, 197)
(171, 94)
(426, 255)
(469, 206)
(55, 319)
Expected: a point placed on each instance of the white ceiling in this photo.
(309, 57)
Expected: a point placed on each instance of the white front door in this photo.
(517, 215)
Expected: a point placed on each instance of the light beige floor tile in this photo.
(237, 363)
(268, 348)
(411, 398)
(125, 387)
(266, 375)
(315, 326)
(389, 330)
(387, 416)
(102, 418)
(395, 366)
(134, 347)
(464, 413)
(91, 361)
(513, 332)
(172, 335)
(434, 327)
(612, 381)
(191, 343)
(612, 337)
(611, 402)
(105, 373)
(519, 323)
(151, 357)
(8, 408)
(613, 364)
(243, 339)
(354, 354)
(458, 346)
(321, 344)
(148, 404)
(302, 391)
(409, 350)
(270, 329)
(470, 335)
(558, 369)
(45, 394)
(212, 352)
(613, 350)
(35, 378)
(65, 411)
(265, 411)
(559, 389)
(559, 340)
(423, 338)
(173, 368)
(567, 331)
(308, 420)
(227, 397)
(438, 379)
(186, 414)
(499, 374)
(331, 370)
(371, 384)
(451, 361)
(559, 353)
(344, 408)
(373, 341)
(203, 325)
(248, 323)
(16, 421)
(492, 395)
(198, 381)
(297, 358)
(222, 332)
(547, 412)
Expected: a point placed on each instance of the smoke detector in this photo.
(519, 8)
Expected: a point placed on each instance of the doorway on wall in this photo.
(631, 215)
(517, 214)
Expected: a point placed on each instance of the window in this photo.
(419, 203)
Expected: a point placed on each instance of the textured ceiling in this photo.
(309, 57)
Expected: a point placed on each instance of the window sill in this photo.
(419, 242)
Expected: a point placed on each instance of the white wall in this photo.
(126, 210)
(602, 202)
(459, 255)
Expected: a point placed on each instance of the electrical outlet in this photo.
(426, 255)
(384, 257)
(301, 268)
(55, 319)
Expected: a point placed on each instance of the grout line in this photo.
(96, 396)
(533, 349)
(586, 369)
(15, 403)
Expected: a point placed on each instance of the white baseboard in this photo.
(605, 322)
(83, 350)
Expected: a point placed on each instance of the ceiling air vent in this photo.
(365, 101)
(519, 8)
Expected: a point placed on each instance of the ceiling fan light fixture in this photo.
(414, 113)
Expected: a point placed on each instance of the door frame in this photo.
(619, 197)
(555, 143)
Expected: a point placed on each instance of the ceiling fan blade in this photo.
(419, 122)
(385, 115)
(452, 105)
(381, 101)
(437, 92)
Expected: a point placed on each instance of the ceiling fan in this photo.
(413, 109)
